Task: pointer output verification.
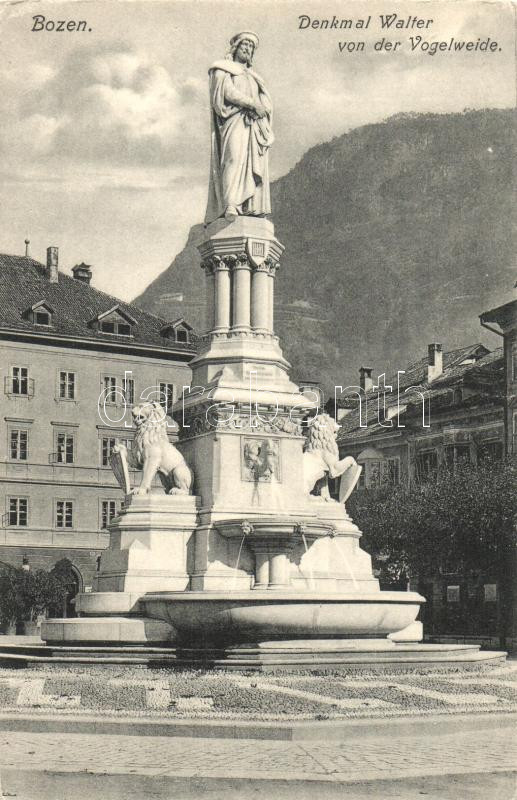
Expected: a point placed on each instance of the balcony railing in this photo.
(19, 387)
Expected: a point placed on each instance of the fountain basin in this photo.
(282, 529)
(250, 617)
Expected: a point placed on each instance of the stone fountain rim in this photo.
(274, 596)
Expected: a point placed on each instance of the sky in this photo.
(105, 136)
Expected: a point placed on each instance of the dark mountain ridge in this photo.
(397, 234)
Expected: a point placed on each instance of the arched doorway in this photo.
(73, 589)
(73, 583)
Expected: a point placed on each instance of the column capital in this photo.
(237, 261)
(271, 265)
(214, 264)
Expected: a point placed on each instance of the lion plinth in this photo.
(321, 459)
(154, 454)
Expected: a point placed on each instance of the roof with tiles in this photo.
(74, 305)
(416, 373)
(484, 374)
(505, 314)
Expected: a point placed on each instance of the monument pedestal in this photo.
(149, 549)
(149, 544)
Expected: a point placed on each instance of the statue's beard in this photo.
(248, 61)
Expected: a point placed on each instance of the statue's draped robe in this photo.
(239, 174)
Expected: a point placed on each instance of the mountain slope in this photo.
(397, 234)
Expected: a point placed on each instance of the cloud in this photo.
(110, 104)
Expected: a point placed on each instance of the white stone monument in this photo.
(253, 565)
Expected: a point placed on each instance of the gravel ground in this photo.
(203, 694)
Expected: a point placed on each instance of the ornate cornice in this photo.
(208, 417)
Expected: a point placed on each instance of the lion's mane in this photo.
(152, 430)
(321, 436)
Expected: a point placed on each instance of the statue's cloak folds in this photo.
(239, 171)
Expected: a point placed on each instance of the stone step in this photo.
(399, 658)
(104, 630)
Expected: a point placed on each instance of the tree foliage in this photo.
(461, 519)
(27, 594)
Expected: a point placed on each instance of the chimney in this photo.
(365, 378)
(82, 272)
(434, 361)
(27, 251)
(52, 261)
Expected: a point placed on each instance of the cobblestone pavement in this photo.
(464, 752)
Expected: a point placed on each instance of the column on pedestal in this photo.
(278, 569)
(210, 299)
(272, 268)
(241, 275)
(221, 296)
(260, 299)
(261, 567)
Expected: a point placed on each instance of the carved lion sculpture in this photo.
(321, 459)
(154, 454)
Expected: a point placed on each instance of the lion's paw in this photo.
(140, 490)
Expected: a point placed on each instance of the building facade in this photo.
(505, 318)
(442, 409)
(74, 361)
(449, 408)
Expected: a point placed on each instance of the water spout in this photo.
(301, 530)
(246, 529)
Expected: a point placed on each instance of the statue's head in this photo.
(243, 46)
(149, 414)
(322, 433)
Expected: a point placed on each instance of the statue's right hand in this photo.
(260, 110)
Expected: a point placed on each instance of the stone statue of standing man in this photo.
(241, 134)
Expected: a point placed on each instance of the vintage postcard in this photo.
(258, 417)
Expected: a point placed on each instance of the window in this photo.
(426, 464)
(108, 511)
(65, 448)
(108, 443)
(129, 391)
(514, 361)
(18, 444)
(166, 397)
(391, 471)
(490, 451)
(19, 382)
(18, 512)
(457, 454)
(490, 592)
(64, 514)
(118, 328)
(385, 472)
(67, 385)
(40, 314)
(179, 330)
(42, 318)
(110, 389)
(453, 594)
